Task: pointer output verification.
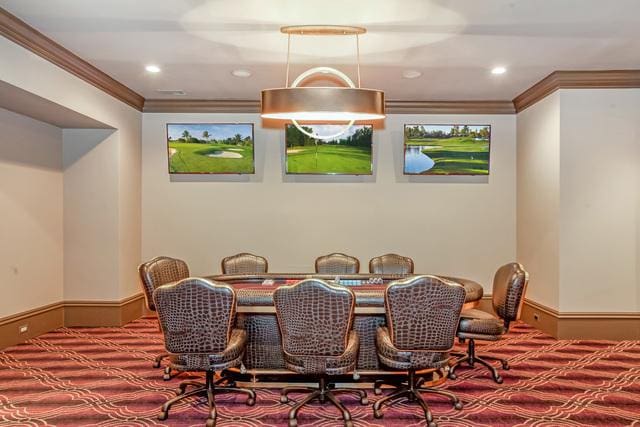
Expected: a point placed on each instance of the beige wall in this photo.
(101, 186)
(31, 248)
(579, 200)
(457, 225)
(599, 170)
(538, 190)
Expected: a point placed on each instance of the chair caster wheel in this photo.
(377, 414)
(458, 405)
(162, 416)
(348, 423)
(499, 379)
(377, 391)
(452, 376)
(178, 391)
(506, 366)
(156, 364)
(433, 424)
(293, 423)
(284, 399)
(166, 377)
(364, 400)
(251, 401)
(211, 422)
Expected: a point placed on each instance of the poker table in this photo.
(256, 313)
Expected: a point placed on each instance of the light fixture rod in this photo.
(358, 56)
(286, 82)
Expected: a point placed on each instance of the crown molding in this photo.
(449, 107)
(201, 106)
(28, 37)
(391, 107)
(577, 80)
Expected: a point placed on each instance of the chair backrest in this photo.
(196, 315)
(509, 286)
(160, 271)
(391, 264)
(244, 263)
(423, 313)
(337, 263)
(314, 317)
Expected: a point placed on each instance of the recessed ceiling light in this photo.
(152, 68)
(411, 74)
(498, 70)
(241, 73)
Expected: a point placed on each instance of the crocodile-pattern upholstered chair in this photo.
(509, 286)
(244, 263)
(391, 264)
(337, 263)
(315, 321)
(197, 318)
(157, 272)
(422, 318)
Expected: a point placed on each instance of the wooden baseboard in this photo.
(36, 322)
(103, 313)
(582, 325)
(576, 325)
(69, 313)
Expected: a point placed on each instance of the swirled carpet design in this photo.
(103, 377)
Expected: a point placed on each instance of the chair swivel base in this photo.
(323, 393)
(471, 358)
(208, 389)
(411, 390)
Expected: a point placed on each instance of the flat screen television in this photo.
(446, 149)
(346, 154)
(211, 148)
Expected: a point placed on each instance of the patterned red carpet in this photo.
(103, 376)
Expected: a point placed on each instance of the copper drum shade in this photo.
(323, 103)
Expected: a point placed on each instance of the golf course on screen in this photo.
(210, 148)
(346, 154)
(446, 149)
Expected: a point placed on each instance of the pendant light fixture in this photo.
(310, 103)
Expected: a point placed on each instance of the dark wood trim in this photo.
(201, 106)
(392, 107)
(576, 80)
(28, 37)
(103, 313)
(582, 325)
(449, 107)
(38, 320)
(43, 319)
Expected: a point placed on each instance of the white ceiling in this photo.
(454, 43)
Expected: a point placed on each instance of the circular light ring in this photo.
(323, 70)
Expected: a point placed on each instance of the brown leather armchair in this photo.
(337, 263)
(391, 264)
(157, 272)
(509, 286)
(422, 317)
(197, 318)
(315, 320)
(244, 263)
